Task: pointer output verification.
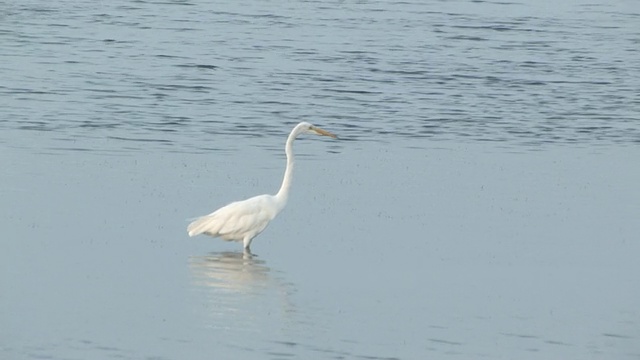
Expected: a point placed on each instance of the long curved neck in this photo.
(283, 194)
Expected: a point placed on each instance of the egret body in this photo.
(244, 220)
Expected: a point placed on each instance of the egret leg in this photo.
(247, 254)
(247, 243)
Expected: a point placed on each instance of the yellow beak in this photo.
(324, 132)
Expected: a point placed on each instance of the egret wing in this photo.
(237, 219)
(251, 220)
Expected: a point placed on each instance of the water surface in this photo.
(481, 201)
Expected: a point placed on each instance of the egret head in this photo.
(305, 127)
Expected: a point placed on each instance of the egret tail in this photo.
(203, 225)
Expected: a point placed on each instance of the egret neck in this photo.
(283, 194)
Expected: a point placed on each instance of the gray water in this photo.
(481, 201)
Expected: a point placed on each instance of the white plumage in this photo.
(244, 220)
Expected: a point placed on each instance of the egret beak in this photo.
(324, 132)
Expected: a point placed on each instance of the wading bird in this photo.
(244, 220)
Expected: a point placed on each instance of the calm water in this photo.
(482, 200)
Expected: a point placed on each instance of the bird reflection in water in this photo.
(234, 271)
(236, 283)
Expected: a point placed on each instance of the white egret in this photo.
(244, 220)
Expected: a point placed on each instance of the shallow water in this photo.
(481, 201)
(466, 251)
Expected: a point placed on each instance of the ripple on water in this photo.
(524, 79)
